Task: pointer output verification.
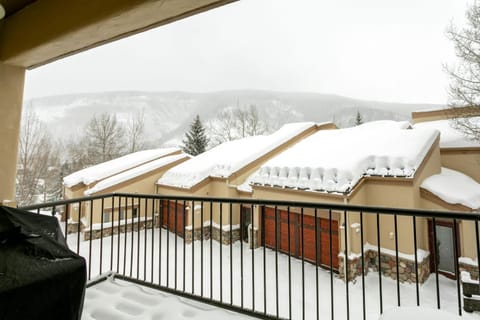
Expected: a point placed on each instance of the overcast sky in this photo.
(389, 50)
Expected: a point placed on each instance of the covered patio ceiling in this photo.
(34, 33)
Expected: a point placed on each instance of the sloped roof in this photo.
(449, 136)
(454, 187)
(335, 160)
(106, 169)
(135, 172)
(230, 157)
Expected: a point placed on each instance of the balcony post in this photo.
(11, 95)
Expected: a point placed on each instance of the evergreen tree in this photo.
(196, 140)
(358, 119)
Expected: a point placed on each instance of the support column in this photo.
(12, 81)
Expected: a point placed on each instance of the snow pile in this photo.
(335, 160)
(449, 136)
(467, 260)
(100, 171)
(135, 172)
(466, 278)
(117, 299)
(454, 187)
(229, 157)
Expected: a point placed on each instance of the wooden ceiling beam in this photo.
(48, 30)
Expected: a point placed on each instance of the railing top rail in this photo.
(286, 203)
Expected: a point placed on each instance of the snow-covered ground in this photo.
(121, 300)
(155, 269)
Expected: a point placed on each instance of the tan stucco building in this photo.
(134, 173)
(220, 172)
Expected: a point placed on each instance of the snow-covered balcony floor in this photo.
(114, 299)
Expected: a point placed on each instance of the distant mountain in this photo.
(168, 114)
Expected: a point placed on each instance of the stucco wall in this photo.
(465, 160)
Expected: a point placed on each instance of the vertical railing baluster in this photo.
(417, 290)
(220, 204)
(145, 240)
(169, 203)
(457, 271)
(316, 264)
(132, 235)
(332, 300)
(303, 262)
(78, 225)
(111, 232)
(379, 265)
(201, 248)
(252, 245)
(264, 265)
(118, 234)
(161, 204)
(397, 267)
(211, 250)
(90, 242)
(152, 258)
(345, 262)
(101, 235)
(277, 231)
(477, 238)
(363, 267)
(231, 254)
(289, 266)
(184, 243)
(242, 237)
(67, 217)
(193, 247)
(139, 213)
(175, 262)
(125, 221)
(435, 250)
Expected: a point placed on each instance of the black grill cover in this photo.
(40, 278)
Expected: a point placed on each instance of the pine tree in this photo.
(358, 119)
(196, 140)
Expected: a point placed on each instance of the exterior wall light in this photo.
(2, 12)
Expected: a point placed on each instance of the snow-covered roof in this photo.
(135, 172)
(229, 157)
(103, 170)
(449, 136)
(335, 160)
(454, 187)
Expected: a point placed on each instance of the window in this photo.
(106, 217)
(122, 214)
(135, 212)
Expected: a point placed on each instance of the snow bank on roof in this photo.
(449, 137)
(229, 157)
(100, 171)
(335, 160)
(135, 172)
(454, 187)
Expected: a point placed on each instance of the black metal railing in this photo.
(271, 259)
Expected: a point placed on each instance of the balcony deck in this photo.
(117, 299)
(266, 281)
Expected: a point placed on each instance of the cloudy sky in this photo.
(389, 50)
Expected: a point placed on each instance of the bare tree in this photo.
(135, 131)
(464, 91)
(236, 123)
(223, 127)
(255, 125)
(105, 137)
(33, 158)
